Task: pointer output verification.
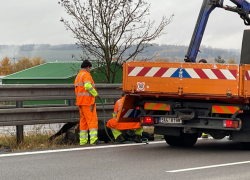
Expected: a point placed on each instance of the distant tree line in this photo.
(36, 47)
(170, 51)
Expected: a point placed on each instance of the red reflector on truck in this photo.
(148, 120)
(230, 124)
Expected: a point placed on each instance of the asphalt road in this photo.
(208, 159)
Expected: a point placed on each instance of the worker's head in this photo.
(203, 61)
(86, 65)
(123, 94)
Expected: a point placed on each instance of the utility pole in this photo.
(14, 58)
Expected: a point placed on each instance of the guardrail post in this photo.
(71, 102)
(19, 128)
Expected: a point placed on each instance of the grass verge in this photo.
(35, 139)
(38, 139)
(31, 142)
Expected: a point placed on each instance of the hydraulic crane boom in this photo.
(242, 8)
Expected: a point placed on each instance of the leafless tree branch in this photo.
(103, 26)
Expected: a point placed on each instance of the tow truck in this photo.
(183, 100)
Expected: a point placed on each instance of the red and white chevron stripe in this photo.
(226, 74)
(247, 75)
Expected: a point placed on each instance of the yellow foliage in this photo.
(25, 63)
(232, 61)
(37, 61)
(22, 64)
(6, 67)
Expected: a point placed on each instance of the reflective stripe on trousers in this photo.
(116, 133)
(93, 135)
(83, 136)
(139, 131)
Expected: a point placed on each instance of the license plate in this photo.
(165, 120)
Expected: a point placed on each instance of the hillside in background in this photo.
(63, 52)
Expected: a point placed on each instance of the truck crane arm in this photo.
(242, 8)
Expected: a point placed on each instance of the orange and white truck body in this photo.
(186, 80)
(193, 98)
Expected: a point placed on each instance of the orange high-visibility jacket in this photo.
(83, 97)
(113, 124)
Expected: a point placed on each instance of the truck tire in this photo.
(189, 140)
(246, 145)
(173, 140)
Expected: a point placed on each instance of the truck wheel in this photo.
(189, 139)
(173, 140)
(246, 145)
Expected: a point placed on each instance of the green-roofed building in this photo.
(48, 73)
(55, 73)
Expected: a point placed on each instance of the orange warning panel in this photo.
(157, 106)
(224, 109)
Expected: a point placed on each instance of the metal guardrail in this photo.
(26, 115)
(27, 92)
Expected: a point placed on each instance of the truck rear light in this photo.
(240, 111)
(230, 124)
(148, 120)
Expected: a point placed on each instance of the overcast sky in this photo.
(38, 22)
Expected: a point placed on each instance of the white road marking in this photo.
(76, 149)
(206, 167)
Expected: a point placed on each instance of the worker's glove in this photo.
(114, 115)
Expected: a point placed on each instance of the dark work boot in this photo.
(137, 139)
(97, 142)
(120, 138)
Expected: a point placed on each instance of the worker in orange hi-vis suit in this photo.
(116, 127)
(85, 99)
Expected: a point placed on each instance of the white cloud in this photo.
(38, 21)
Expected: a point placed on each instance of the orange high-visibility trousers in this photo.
(113, 124)
(88, 121)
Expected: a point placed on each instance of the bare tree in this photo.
(106, 29)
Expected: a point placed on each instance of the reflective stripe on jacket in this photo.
(113, 124)
(118, 106)
(84, 97)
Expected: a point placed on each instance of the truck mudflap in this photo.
(129, 112)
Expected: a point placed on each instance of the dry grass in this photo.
(38, 141)
(35, 139)
(150, 129)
